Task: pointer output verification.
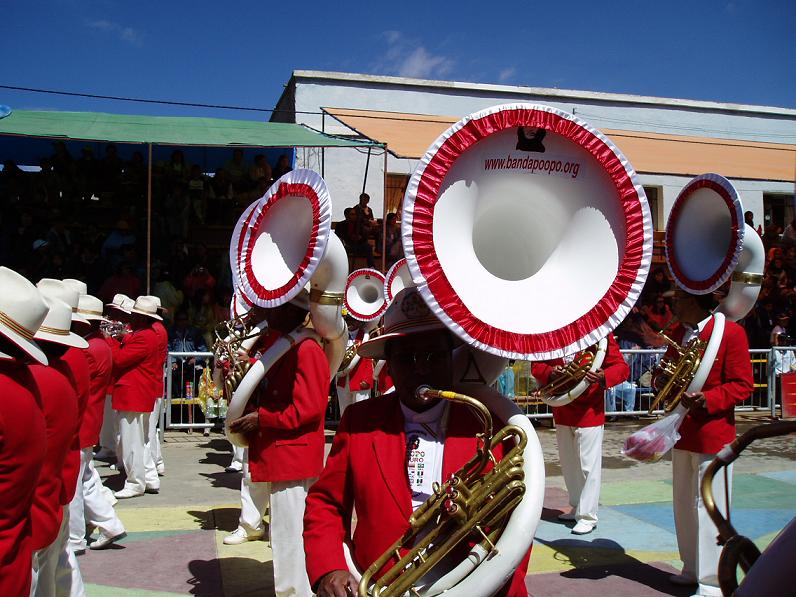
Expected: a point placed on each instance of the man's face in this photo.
(420, 359)
(685, 307)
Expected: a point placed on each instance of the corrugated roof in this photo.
(165, 130)
(410, 135)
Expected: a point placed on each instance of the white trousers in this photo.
(287, 524)
(109, 433)
(55, 569)
(580, 450)
(90, 505)
(154, 434)
(253, 500)
(696, 533)
(238, 454)
(136, 457)
(346, 397)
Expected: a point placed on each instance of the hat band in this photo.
(89, 312)
(54, 331)
(16, 327)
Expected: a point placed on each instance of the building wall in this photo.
(344, 168)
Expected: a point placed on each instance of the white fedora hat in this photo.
(22, 309)
(156, 300)
(60, 290)
(408, 314)
(122, 302)
(56, 326)
(144, 305)
(76, 285)
(90, 307)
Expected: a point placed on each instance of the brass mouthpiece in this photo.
(424, 393)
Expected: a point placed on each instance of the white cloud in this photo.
(125, 34)
(506, 74)
(408, 58)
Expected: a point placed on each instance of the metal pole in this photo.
(367, 166)
(772, 380)
(323, 149)
(383, 215)
(149, 222)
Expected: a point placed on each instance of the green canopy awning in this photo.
(166, 130)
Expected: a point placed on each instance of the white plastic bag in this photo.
(650, 443)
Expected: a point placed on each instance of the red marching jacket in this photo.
(289, 443)
(163, 347)
(100, 365)
(366, 471)
(74, 365)
(359, 373)
(587, 410)
(707, 429)
(137, 362)
(23, 442)
(59, 402)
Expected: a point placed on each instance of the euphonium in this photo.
(112, 328)
(230, 336)
(739, 550)
(571, 382)
(673, 376)
(473, 506)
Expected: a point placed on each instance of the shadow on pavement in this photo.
(222, 519)
(601, 558)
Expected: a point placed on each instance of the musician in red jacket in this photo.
(23, 439)
(707, 428)
(356, 380)
(137, 363)
(374, 468)
(152, 432)
(55, 568)
(286, 440)
(90, 508)
(579, 434)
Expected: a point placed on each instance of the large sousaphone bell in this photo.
(283, 246)
(364, 296)
(529, 236)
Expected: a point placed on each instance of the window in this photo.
(653, 198)
(778, 209)
(396, 187)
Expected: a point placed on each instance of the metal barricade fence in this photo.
(187, 405)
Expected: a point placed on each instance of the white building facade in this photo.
(750, 145)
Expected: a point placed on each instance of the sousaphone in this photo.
(396, 279)
(708, 244)
(281, 247)
(528, 234)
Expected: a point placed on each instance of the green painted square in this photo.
(635, 492)
(758, 492)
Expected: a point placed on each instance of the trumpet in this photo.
(473, 505)
(113, 329)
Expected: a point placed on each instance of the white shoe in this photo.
(685, 580)
(235, 467)
(583, 527)
(161, 470)
(567, 515)
(103, 541)
(126, 493)
(240, 536)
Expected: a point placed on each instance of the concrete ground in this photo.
(174, 543)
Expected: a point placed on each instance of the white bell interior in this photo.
(365, 295)
(704, 234)
(547, 245)
(402, 279)
(282, 241)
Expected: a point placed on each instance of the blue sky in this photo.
(242, 53)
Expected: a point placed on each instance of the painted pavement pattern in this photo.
(174, 543)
